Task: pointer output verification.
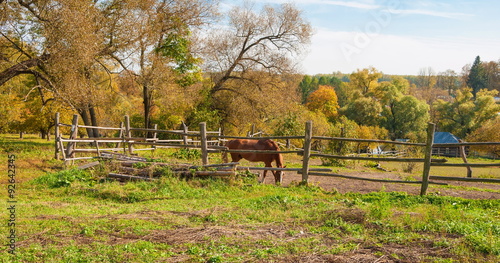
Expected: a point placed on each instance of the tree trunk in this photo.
(148, 104)
(93, 120)
(86, 121)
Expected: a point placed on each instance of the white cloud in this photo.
(353, 4)
(431, 13)
(333, 51)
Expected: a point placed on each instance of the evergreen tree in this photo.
(477, 77)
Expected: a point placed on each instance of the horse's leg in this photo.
(278, 178)
(268, 164)
(235, 157)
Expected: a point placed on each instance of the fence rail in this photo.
(125, 142)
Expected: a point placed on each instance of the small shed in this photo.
(443, 138)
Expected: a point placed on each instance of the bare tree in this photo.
(253, 45)
(448, 80)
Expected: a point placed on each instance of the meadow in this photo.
(68, 215)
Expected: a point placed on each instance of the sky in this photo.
(399, 37)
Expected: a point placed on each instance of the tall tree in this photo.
(77, 40)
(364, 111)
(251, 46)
(448, 80)
(365, 80)
(476, 79)
(492, 72)
(466, 113)
(401, 114)
(306, 86)
(426, 84)
(324, 100)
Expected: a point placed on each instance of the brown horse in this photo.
(267, 158)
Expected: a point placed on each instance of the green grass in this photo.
(73, 216)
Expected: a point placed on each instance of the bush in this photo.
(65, 178)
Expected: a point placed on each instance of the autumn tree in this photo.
(252, 46)
(488, 132)
(364, 111)
(466, 113)
(426, 81)
(492, 72)
(324, 100)
(365, 80)
(78, 41)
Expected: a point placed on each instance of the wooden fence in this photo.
(211, 142)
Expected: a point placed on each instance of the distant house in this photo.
(443, 138)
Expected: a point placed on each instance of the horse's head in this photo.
(278, 176)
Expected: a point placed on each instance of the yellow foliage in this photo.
(324, 100)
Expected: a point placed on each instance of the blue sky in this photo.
(398, 36)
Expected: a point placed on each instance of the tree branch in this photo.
(22, 68)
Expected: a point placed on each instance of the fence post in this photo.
(427, 158)
(185, 131)
(307, 152)
(204, 145)
(121, 135)
(73, 134)
(128, 133)
(464, 158)
(56, 136)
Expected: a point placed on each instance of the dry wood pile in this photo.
(139, 168)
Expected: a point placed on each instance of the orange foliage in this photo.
(324, 100)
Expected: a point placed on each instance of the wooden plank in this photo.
(379, 159)
(80, 158)
(88, 165)
(159, 131)
(123, 157)
(467, 164)
(214, 173)
(61, 146)
(103, 140)
(130, 177)
(465, 179)
(465, 144)
(166, 145)
(371, 179)
(263, 151)
(282, 169)
(258, 138)
(95, 150)
(365, 140)
(99, 127)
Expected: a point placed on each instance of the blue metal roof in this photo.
(445, 137)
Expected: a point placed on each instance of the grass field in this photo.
(76, 216)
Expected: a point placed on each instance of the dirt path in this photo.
(458, 189)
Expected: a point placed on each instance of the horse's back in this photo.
(248, 144)
(259, 145)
